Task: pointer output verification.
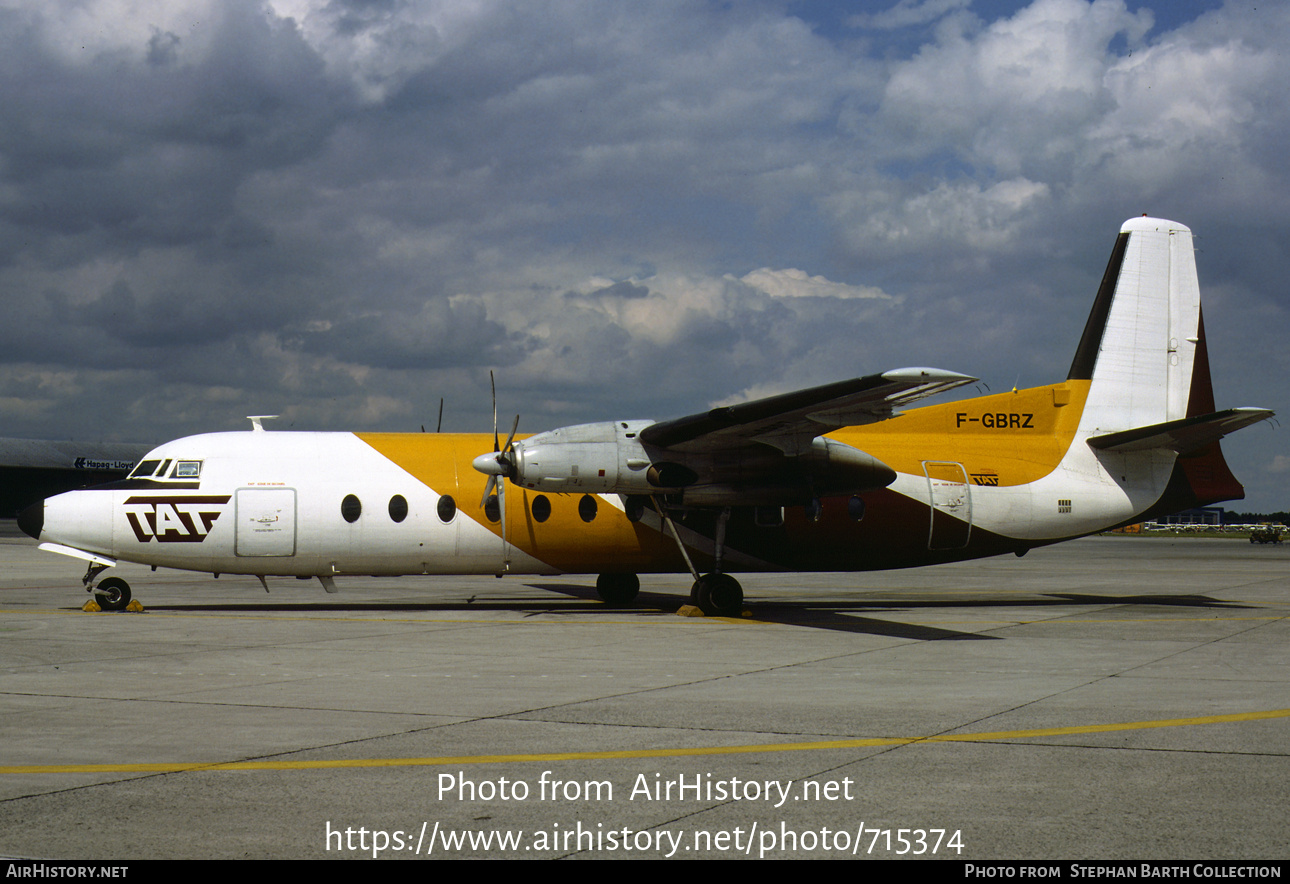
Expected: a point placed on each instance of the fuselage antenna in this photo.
(255, 419)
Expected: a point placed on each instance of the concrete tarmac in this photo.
(1109, 698)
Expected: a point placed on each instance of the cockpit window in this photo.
(145, 469)
(159, 470)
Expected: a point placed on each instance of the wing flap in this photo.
(790, 421)
(1181, 436)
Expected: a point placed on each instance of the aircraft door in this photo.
(950, 496)
(266, 522)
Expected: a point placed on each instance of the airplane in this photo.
(840, 477)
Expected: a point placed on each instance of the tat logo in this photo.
(173, 519)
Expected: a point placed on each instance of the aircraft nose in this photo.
(32, 520)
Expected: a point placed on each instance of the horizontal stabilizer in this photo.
(1181, 436)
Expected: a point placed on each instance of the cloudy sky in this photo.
(343, 210)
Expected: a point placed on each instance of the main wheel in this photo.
(618, 589)
(718, 595)
(112, 594)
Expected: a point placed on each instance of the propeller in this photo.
(498, 466)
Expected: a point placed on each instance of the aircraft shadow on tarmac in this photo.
(841, 616)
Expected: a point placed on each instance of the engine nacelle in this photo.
(603, 458)
(609, 458)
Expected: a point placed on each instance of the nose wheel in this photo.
(112, 594)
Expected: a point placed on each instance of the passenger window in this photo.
(635, 507)
(398, 507)
(447, 508)
(587, 507)
(855, 508)
(541, 508)
(351, 508)
(814, 510)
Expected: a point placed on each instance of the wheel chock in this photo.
(696, 611)
(92, 607)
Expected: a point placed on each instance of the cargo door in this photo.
(266, 522)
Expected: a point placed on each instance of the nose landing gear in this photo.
(112, 593)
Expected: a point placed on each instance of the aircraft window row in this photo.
(540, 508)
(773, 516)
(351, 508)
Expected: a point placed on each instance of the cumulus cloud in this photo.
(907, 13)
(792, 283)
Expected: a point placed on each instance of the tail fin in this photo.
(1143, 354)
(1140, 343)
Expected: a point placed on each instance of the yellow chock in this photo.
(91, 607)
(134, 607)
(695, 611)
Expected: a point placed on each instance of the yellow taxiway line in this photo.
(334, 764)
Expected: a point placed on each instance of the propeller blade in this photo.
(501, 512)
(493, 386)
(511, 438)
(498, 467)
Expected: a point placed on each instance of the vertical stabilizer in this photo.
(1149, 419)
(1139, 346)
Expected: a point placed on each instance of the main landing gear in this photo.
(718, 595)
(715, 594)
(112, 593)
(618, 589)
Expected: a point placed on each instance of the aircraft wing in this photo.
(790, 421)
